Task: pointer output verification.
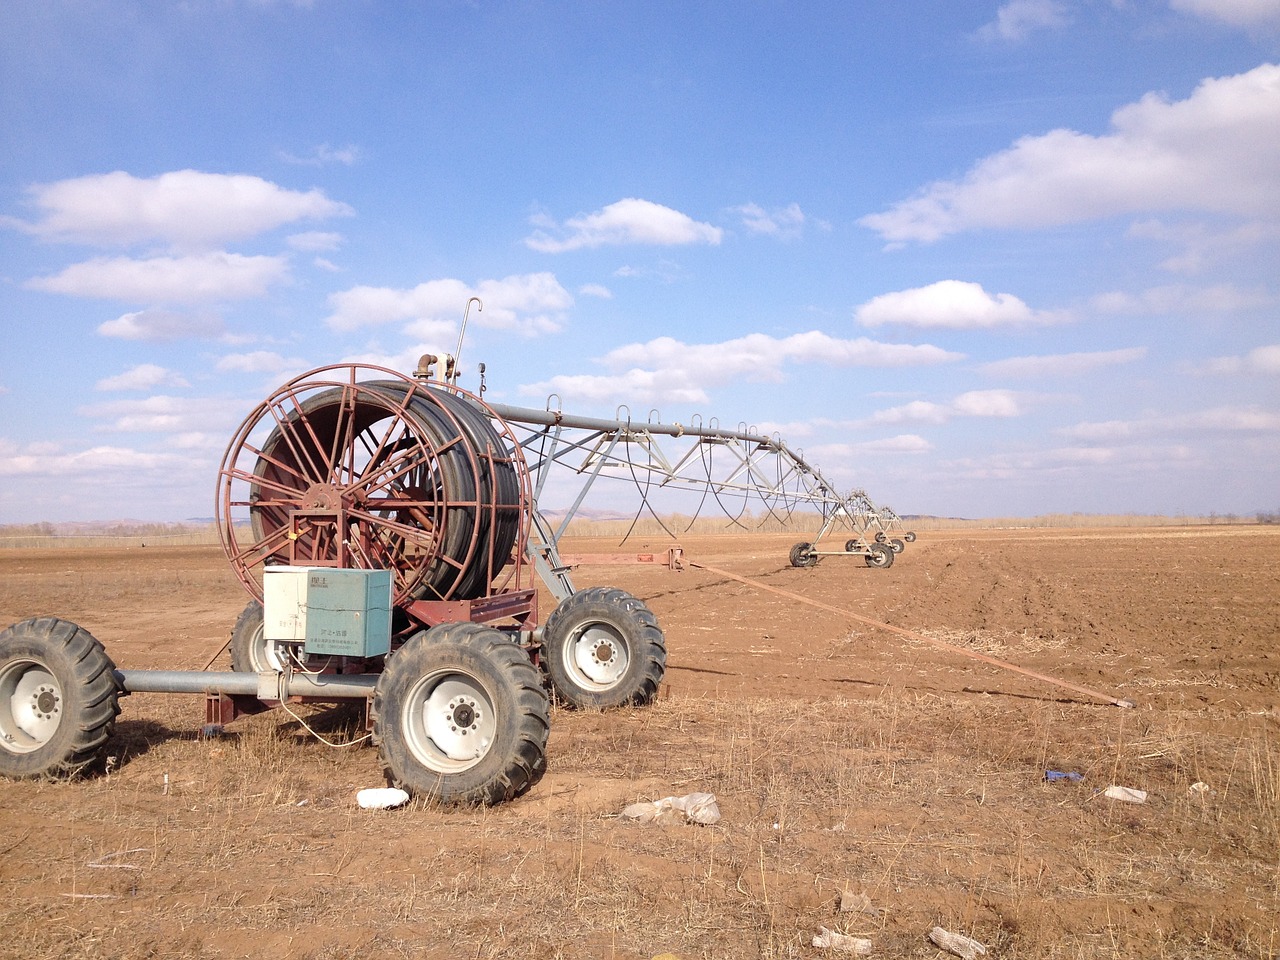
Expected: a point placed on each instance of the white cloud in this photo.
(845, 452)
(188, 279)
(1212, 421)
(663, 270)
(1016, 19)
(530, 304)
(1203, 245)
(259, 361)
(670, 370)
(624, 222)
(1061, 364)
(1214, 152)
(1237, 13)
(784, 224)
(92, 463)
(917, 411)
(1125, 463)
(1182, 299)
(758, 356)
(1265, 360)
(164, 414)
(953, 304)
(145, 376)
(161, 325)
(185, 208)
(974, 403)
(987, 403)
(597, 290)
(325, 155)
(434, 329)
(638, 386)
(315, 241)
(196, 440)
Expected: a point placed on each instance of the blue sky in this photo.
(981, 259)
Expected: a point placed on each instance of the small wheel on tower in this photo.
(880, 555)
(802, 555)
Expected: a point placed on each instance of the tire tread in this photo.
(82, 666)
(526, 762)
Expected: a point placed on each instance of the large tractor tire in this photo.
(460, 716)
(603, 648)
(58, 699)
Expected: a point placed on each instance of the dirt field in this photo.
(847, 761)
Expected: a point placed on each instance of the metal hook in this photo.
(457, 354)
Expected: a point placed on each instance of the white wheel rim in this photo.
(597, 657)
(30, 706)
(450, 722)
(267, 654)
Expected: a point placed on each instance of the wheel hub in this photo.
(597, 657)
(464, 716)
(46, 702)
(322, 496)
(457, 724)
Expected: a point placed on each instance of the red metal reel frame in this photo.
(345, 484)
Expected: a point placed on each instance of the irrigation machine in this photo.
(386, 532)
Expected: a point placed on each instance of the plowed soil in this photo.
(871, 782)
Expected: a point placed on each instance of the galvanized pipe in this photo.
(266, 686)
(551, 418)
(554, 418)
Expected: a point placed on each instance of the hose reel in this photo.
(420, 478)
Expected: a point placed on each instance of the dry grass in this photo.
(934, 809)
(844, 764)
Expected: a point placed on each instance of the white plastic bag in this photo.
(1127, 794)
(964, 947)
(694, 808)
(830, 940)
(381, 798)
